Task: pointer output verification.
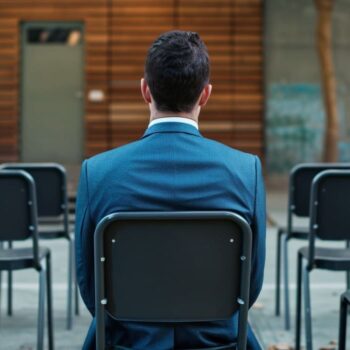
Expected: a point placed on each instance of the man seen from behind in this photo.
(172, 167)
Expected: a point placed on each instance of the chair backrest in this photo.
(51, 186)
(300, 183)
(172, 267)
(17, 205)
(330, 205)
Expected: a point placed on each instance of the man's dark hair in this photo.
(176, 70)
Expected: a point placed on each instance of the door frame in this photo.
(25, 25)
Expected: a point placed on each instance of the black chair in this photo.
(18, 222)
(329, 220)
(344, 303)
(172, 267)
(300, 180)
(51, 192)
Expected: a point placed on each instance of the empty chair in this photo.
(18, 222)
(300, 180)
(329, 220)
(172, 267)
(51, 190)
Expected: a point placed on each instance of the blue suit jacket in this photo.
(172, 167)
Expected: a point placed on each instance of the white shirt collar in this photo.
(174, 120)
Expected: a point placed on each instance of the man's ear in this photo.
(205, 95)
(146, 93)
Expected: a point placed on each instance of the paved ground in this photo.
(19, 331)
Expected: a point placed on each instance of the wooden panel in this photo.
(93, 13)
(232, 31)
(96, 78)
(117, 36)
(134, 27)
(247, 75)
(8, 89)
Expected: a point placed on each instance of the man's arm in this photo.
(259, 235)
(84, 242)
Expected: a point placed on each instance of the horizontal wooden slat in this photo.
(117, 36)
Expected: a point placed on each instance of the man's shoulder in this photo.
(120, 156)
(106, 157)
(226, 151)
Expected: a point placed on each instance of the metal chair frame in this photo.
(101, 305)
(64, 233)
(308, 262)
(12, 262)
(344, 303)
(285, 234)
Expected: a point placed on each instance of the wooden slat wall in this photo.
(247, 75)
(94, 15)
(232, 30)
(136, 23)
(8, 89)
(96, 78)
(213, 22)
(117, 36)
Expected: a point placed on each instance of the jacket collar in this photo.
(172, 127)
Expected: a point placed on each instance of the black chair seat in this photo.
(329, 258)
(20, 258)
(48, 234)
(225, 347)
(297, 232)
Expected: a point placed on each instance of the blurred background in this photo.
(70, 70)
(70, 88)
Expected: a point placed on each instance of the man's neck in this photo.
(173, 120)
(159, 115)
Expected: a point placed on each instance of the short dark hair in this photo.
(176, 70)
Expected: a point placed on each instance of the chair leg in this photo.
(298, 302)
(1, 247)
(9, 293)
(278, 273)
(9, 288)
(41, 311)
(286, 284)
(0, 289)
(308, 317)
(76, 290)
(70, 286)
(76, 293)
(342, 323)
(50, 326)
(347, 272)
